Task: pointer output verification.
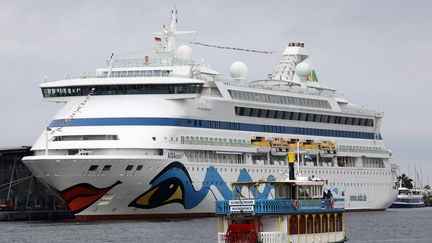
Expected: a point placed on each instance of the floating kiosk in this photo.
(300, 211)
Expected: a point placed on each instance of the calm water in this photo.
(393, 225)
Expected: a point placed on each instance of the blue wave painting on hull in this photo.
(174, 185)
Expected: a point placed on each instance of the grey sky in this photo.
(378, 53)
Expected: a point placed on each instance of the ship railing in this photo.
(272, 237)
(151, 62)
(264, 237)
(354, 150)
(213, 141)
(215, 144)
(292, 89)
(203, 77)
(131, 74)
(221, 237)
(278, 206)
(362, 110)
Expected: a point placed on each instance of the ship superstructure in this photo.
(163, 136)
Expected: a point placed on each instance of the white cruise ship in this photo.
(164, 136)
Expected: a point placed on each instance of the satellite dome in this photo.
(303, 69)
(184, 52)
(238, 70)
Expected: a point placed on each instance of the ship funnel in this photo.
(294, 66)
(295, 48)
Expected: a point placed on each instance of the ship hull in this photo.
(162, 188)
(407, 205)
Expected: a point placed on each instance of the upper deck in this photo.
(290, 197)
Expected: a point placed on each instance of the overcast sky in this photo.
(378, 53)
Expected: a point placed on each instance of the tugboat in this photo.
(300, 211)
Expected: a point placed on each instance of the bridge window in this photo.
(122, 89)
(85, 137)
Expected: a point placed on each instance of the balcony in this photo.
(278, 206)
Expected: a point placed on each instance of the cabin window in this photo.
(93, 167)
(106, 168)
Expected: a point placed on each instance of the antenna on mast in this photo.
(110, 64)
(167, 38)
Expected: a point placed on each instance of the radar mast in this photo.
(166, 39)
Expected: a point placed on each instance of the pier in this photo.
(22, 196)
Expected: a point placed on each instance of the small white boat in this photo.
(409, 198)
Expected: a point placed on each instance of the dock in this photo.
(22, 196)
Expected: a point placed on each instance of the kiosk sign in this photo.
(239, 206)
(241, 202)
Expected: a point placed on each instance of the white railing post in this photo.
(221, 237)
(272, 237)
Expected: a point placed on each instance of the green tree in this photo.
(406, 181)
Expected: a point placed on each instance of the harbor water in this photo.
(392, 225)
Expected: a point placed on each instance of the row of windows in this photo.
(215, 141)
(138, 73)
(363, 184)
(300, 116)
(279, 99)
(409, 200)
(320, 224)
(203, 156)
(281, 129)
(344, 172)
(202, 169)
(346, 161)
(182, 122)
(108, 167)
(85, 137)
(95, 167)
(123, 89)
(373, 162)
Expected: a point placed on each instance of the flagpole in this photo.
(298, 158)
(110, 65)
(46, 141)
